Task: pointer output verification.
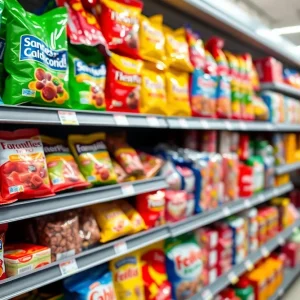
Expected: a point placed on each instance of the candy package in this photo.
(120, 173)
(3, 229)
(151, 164)
(176, 205)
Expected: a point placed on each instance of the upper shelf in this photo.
(281, 88)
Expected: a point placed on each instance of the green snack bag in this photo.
(87, 78)
(35, 57)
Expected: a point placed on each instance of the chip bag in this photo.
(92, 157)
(23, 168)
(151, 164)
(63, 170)
(177, 93)
(86, 78)
(177, 50)
(3, 229)
(112, 221)
(127, 276)
(36, 57)
(123, 84)
(153, 91)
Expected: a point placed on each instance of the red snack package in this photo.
(23, 168)
(151, 164)
(119, 21)
(3, 229)
(176, 205)
(123, 84)
(269, 69)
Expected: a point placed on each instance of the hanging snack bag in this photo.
(63, 170)
(153, 91)
(37, 65)
(119, 21)
(177, 93)
(86, 78)
(112, 221)
(24, 172)
(152, 39)
(177, 50)
(123, 84)
(3, 229)
(92, 157)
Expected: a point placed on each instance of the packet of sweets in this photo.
(123, 84)
(92, 157)
(121, 174)
(86, 78)
(37, 67)
(151, 164)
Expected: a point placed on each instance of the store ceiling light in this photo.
(287, 30)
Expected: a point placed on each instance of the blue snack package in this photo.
(223, 107)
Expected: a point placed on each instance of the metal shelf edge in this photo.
(281, 88)
(287, 168)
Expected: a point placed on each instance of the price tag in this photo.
(228, 125)
(68, 117)
(226, 211)
(120, 247)
(269, 127)
(207, 295)
(249, 265)
(265, 252)
(121, 120)
(153, 121)
(204, 124)
(183, 123)
(127, 189)
(243, 126)
(261, 198)
(247, 203)
(68, 267)
(280, 240)
(274, 193)
(232, 278)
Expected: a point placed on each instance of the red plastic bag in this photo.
(3, 229)
(23, 170)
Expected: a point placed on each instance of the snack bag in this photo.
(86, 78)
(23, 172)
(177, 50)
(127, 276)
(156, 284)
(152, 39)
(37, 66)
(119, 21)
(176, 205)
(153, 91)
(120, 173)
(135, 218)
(63, 170)
(123, 84)
(3, 229)
(210, 66)
(151, 164)
(177, 84)
(92, 157)
(184, 266)
(112, 221)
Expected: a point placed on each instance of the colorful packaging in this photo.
(3, 229)
(120, 21)
(25, 175)
(151, 164)
(177, 50)
(210, 64)
(176, 205)
(3, 73)
(177, 84)
(86, 79)
(112, 221)
(123, 84)
(120, 173)
(261, 111)
(92, 158)
(37, 68)
(269, 69)
(231, 169)
(127, 277)
(184, 266)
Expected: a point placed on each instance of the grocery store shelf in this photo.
(227, 210)
(287, 168)
(38, 207)
(281, 88)
(237, 270)
(283, 127)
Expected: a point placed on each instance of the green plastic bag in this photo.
(2, 47)
(36, 57)
(87, 78)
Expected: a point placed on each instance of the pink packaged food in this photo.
(176, 205)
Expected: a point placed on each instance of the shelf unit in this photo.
(281, 88)
(287, 168)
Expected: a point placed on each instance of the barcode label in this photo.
(65, 254)
(25, 269)
(68, 117)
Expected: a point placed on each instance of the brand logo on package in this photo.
(32, 48)
(94, 71)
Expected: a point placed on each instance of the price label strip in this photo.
(247, 203)
(121, 120)
(226, 211)
(207, 295)
(280, 240)
(249, 265)
(243, 126)
(120, 248)
(183, 123)
(128, 189)
(232, 278)
(68, 117)
(68, 267)
(228, 125)
(153, 122)
(204, 124)
(265, 252)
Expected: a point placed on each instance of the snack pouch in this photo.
(23, 172)
(120, 21)
(151, 164)
(127, 277)
(63, 170)
(184, 266)
(203, 94)
(177, 84)
(92, 158)
(36, 57)
(176, 205)
(112, 221)
(3, 229)
(86, 78)
(153, 91)
(123, 84)
(152, 39)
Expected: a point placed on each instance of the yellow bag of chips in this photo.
(177, 50)
(177, 93)
(112, 221)
(137, 222)
(127, 276)
(153, 92)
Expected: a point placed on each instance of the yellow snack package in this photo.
(137, 222)
(112, 221)
(153, 92)
(177, 93)
(177, 50)
(152, 39)
(127, 277)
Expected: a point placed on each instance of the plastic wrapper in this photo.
(151, 164)
(3, 229)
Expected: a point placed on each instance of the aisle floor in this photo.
(293, 292)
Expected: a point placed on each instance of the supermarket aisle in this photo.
(293, 292)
